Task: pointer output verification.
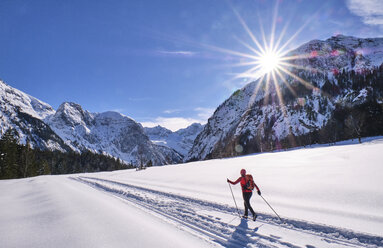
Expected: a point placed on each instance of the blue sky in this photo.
(156, 61)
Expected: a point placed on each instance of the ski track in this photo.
(197, 216)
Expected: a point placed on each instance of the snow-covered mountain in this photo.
(72, 128)
(25, 114)
(340, 52)
(333, 92)
(109, 133)
(180, 140)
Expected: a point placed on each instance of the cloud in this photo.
(171, 111)
(177, 53)
(176, 123)
(371, 11)
(172, 123)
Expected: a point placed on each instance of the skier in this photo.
(246, 193)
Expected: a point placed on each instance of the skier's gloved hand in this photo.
(259, 192)
(228, 180)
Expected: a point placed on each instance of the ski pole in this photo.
(234, 200)
(272, 209)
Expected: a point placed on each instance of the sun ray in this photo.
(283, 47)
(242, 64)
(249, 47)
(294, 57)
(277, 89)
(284, 81)
(299, 67)
(281, 37)
(248, 72)
(305, 83)
(267, 84)
(284, 111)
(265, 44)
(273, 26)
(255, 93)
(244, 25)
(228, 51)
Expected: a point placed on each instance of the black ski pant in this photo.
(246, 199)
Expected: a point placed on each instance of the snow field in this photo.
(54, 211)
(336, 185)
(327, 196)
(220, 223)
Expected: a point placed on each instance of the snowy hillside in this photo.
(333, 83)
(180, 140)
(328, 196)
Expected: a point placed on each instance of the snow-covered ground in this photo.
(328, 196)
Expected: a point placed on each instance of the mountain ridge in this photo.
(73, 128)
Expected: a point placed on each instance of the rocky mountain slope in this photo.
(109, 133)
(180, 140)
(334, 91)
(72, 128)
(25, 114)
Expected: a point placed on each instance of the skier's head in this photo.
(243, 172)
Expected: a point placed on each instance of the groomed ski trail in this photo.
(220, 223)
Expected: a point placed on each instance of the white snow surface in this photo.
(328, 196)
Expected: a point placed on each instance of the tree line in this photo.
(20, 161)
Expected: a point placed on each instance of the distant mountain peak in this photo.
(66, 105)
(72, 114)
(113, 115)
(181, 140)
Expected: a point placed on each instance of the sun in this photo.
(269, 62)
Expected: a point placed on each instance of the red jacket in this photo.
(243, 184)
